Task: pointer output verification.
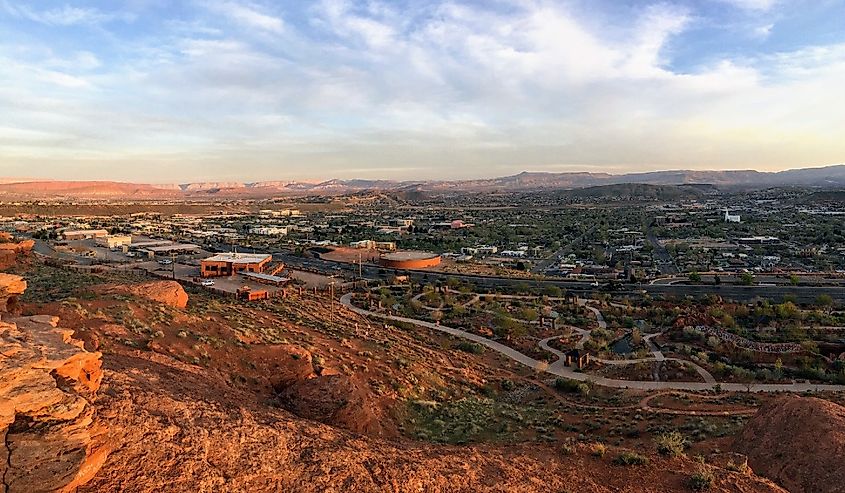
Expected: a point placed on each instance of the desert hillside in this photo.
(798, 442)
(198, 393)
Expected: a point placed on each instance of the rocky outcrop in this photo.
(24, 246)
(798, 442)
(168, 292)
(51, 440)
(11, 286)
(9, 250)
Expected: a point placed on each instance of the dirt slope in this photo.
(798, 442)
(208, 437)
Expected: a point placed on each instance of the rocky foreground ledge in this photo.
(51, 441)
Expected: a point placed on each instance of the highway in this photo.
(804, 294)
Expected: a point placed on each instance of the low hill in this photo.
(637, 192)
(98, 189)
(825, 177)
(799, 442)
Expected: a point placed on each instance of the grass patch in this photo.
(628, 458)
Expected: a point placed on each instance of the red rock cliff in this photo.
(50, 440)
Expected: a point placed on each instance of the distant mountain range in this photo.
(826, 177)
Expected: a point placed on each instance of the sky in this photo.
(161, 91)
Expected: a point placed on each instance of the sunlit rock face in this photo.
(51, 441)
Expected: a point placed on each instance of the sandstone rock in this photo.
(798, 442)
(11, 286)
(24, 246)
(51, 441)
(168, 292)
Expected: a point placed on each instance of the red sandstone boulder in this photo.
(168, 292)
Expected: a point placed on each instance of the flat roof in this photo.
(409, 255)
(175, 246)
(239, 258)
(265, 277)
(145, 244)
(85, 231)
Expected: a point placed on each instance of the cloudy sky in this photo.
(163, 91)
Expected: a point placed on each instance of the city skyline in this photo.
(145, 91)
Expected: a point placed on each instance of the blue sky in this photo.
(163, 91)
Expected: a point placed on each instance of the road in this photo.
(558, 369)
(667, 263)
(804, 294)
(544, 264)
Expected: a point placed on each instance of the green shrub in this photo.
(469, 347)
(702, 480)
(629, 458)
(599, 449)
(566, 385)
(671, 444)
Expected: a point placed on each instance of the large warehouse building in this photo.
(409, 260)
(227, 264)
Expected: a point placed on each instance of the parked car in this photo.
(165, 261)
(207, 282)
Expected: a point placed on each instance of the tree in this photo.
(794, 280)
(746, 279)
(717, 280)
(694, 276)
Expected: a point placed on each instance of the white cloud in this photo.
(62, 16)
(758, 5)
(449, 88)
(763, 31)
(248, 15)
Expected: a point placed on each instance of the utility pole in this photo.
(173, 264)
(331, 302)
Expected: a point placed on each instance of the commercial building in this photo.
(173, 249)
(114, 241)
(374, 245)
(409, 260)
(269, 231)
(84, 234)
(386, 245)
(227, 264)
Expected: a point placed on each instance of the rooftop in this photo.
(239, 258)
(409, 255)
(173, 247)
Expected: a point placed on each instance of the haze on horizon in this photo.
(157, 91)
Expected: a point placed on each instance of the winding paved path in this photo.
(566, 372)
